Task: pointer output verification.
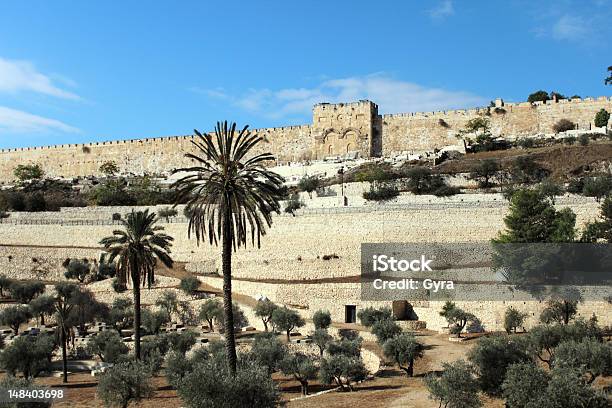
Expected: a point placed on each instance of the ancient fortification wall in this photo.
(336, 130)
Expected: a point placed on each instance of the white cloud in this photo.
(17, 76)
(570, 28)
(391, 95)
(443, 10)
(16, 121)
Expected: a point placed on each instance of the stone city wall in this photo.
(414, 132)
(336, 130)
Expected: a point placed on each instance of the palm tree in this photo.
(136, 249)
(63, 305)
(229, 196)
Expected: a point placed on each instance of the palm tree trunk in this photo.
(64, 359)
(226, 262)
(136, 284)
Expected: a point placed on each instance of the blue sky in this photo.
(76, 71)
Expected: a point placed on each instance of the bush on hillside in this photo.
(563, 125)
(125, 382)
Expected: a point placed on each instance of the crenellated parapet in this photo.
(352, 129)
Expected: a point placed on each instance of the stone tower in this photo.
(344, 128)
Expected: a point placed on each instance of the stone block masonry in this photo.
(354, 129)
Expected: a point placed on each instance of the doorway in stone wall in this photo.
(350, 314)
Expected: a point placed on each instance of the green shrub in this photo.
(550, 189)
(381, 192)
(301, 367)
(344, 346)
(484, 171)
(125, 382)
(108, 346)
(190, 285)
(153, 321)
(342, 370)
(538, 96)
(309, 184)
(210, 311)
(321, 319)
(240, 319)
(561, 307)
(112, 193)
(210, 385)
(287, 320)
(456, 318)
(526, 170)
(529, 386)
(177, 367)
(523, 384)
(15, 316)
(118, 286)
(26, 172)
(513, 319)
(374, 173)
(601, 118)
(403, 349)
(456, 387)
(28, 355)
(563, 125)
(584, 139)
(492, 356)
(264, 310)
(385, 329)
(370, 315)
(445, 191)
(321, 338)
(597, 186)
(78, 269)
(589, 356)
(569, 140)
(526, 143)
(267, 351)
(294, 203)
(181, 342)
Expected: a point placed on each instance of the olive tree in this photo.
(403, 349)
(342, 370)
(370, 315)
(125, 382)
(211, 384)
(108, 346)
(264, 310)
(385, 329)
(42, 306)
(456, 387)
(513, 319)
(492, 356)
(268, 351)
(321, 338)
(30, 355)
(589, 356)
(210, 311)
(322, 319)
(15, 316)
(286, 320)
(190, 285)
(301, 367)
